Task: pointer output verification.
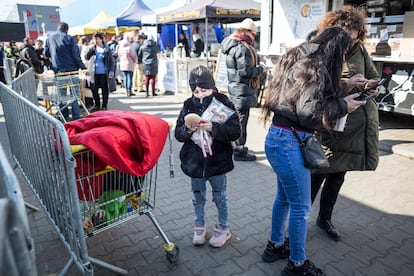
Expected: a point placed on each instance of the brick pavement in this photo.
(375, 213)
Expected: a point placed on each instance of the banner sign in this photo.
(39, 19)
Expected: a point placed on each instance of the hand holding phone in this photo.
(364, 97)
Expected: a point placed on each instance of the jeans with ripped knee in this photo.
(293, 190)
(219, 192)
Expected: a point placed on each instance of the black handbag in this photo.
(111, 84)
(313, 154)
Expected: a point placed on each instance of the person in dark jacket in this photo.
(148, 54)
(113, 46)
(12, 51)
(355, 148)
(39, 50)
(103, 69)
(211, 167)
(304, 93)
(28, 52)
(198, 44)
(2, 76)
(63, 52)
(183, 42)
(243, 73)
(138, 77)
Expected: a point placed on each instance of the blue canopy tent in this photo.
(131, 16)
(169, 34)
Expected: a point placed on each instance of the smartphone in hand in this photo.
(364, 97)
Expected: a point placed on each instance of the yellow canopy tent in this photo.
(94, 26)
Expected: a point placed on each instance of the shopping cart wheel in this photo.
(172, 253)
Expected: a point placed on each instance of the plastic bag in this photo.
(217, 112)
(203, 139)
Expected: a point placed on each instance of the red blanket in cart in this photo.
(130, 142)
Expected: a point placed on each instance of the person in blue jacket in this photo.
(63, 51)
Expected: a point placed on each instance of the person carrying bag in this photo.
(313, 155)
(304, 96)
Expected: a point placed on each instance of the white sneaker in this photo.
(199, 237)
(220, 236)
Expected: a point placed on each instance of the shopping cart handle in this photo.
(171, 159)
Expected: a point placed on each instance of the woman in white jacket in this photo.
(127, 60)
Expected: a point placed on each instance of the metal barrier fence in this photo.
(17, 256)
(41, 148)
(9, 67)
(26, 85)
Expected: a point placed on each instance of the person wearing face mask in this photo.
(212, 166)
(356, 147)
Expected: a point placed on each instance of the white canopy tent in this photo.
(152, 18)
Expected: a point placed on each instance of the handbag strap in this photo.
(297, 137)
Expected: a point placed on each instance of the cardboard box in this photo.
(408, 26)
(407, 47)
(392, 47)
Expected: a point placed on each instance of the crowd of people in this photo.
(133, 56)
(311, 87)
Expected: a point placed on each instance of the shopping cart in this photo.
(59, 91)
(116, 154)
(109, 197)
(47, 160)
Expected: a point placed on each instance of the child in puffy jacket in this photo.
(212, 162)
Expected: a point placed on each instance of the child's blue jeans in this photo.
(219, 190)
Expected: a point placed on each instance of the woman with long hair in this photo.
(304, 93)
(355, 148)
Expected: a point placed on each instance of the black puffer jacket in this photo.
(239, 73)
(193, 162)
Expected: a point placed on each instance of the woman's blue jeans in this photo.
(128, 80)
(293, 190)
(218, 185)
